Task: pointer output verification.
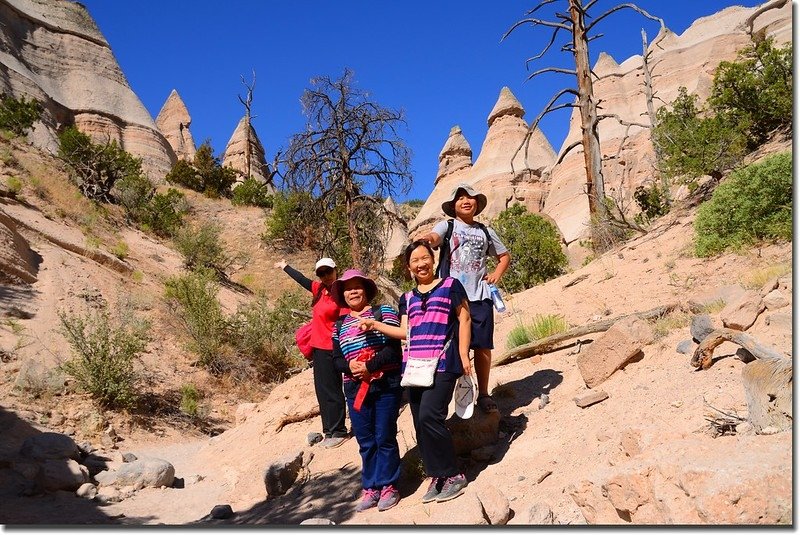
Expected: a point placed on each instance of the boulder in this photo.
(768, 392)
(741, 313)
(466, 510)
(87, 490)
(701, 327)
(221, 512)
(495, 505)
(282, 473)
(46, 446)
(613, 349)
(141, 473)
(775, 299)
(63, 474)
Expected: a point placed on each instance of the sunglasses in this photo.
(324, 271)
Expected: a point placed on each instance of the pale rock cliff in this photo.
(492, 173)
(53, 51)
(688, 60)
(173, 121)
(397, 233)
(234, 155)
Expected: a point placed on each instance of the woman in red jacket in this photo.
(327, 379)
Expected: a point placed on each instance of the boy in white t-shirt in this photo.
(470, 244)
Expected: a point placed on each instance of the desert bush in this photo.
(104, 356)
(120, 250)
(193, 300)
(205, 174)
(693, 142)
(542, 326)
(201, 247)
(264, 334)
(251, 192)
(18, 115)
(287, 221)
(190, 401)
(95, 167)
(652, 201)
(756, 90)
(754, 204)
(164, 213)
(14, 185)
(534, 245)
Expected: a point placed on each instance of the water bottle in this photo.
(497, 299)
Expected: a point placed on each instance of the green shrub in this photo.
(693, 142)
(14, 185)
(541, 327)
(120, 250)
(190, 400)
(164, 213)
(18, 115)
(415, 203)
(201, 247)
(652, 202)
(755, 203)
(534, 245)
(264, 334)
(756, 89)
(95, 167)
(133, 193)
(287, 221)
(251, 192)
(205, 174)
(104, 355)
(193, 299)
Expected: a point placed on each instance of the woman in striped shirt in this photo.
(437, 312)
(370, 362)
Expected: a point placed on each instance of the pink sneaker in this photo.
(390, 496)
(369, 499)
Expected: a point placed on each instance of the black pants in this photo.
(429, 411)
(328, 387)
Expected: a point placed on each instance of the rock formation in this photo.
(492, 172)
(397, 235)
(234, 155)
(173, 121)
(53, 51)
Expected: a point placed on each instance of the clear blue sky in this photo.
(439, 60)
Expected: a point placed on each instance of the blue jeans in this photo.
(375, 428)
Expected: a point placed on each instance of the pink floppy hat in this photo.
(337, 288)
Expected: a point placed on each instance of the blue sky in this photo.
(442, 62)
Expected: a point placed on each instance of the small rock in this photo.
(701, 327)
(540, 514)
(520, 478)
(56, 418)
(222, 511)
(744, 428)
(495, 505)
(544, 399)
(317, 522)
(744, 355)
(590, 398)
(536, 359)
(314, 437)
(282, 473)
(191, 480)
(775, 299)
(685, 347)
(87, 490)
(46, 446)
(770, 430)
(108, 495)
(128, 457)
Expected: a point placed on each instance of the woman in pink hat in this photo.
(370, 362)
(327, 380)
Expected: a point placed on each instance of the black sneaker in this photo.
(453, 488)
(434, 489)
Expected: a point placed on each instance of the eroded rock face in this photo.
(173, 121)
(54, 52)
(236, 149)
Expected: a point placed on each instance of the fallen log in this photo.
(554, 343)
(294, 418)
(701, 358)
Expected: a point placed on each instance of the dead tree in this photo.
(575, 23)
(247, 103)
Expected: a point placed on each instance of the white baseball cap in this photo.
(465, 395)
(325, 262)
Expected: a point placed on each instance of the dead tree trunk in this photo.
(702, 357)
(592, 156)
(247, 103)
(651, 111)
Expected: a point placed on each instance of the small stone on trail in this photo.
(544, 399)
(128, 457)
(313, 438)
(685, 347)
(590, 398)
(221, 511)
(317, 522)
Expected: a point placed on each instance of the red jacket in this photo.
(324, 314)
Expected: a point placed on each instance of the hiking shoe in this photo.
(333, 442)
(453, 487)
(389, 497)
(369, 499)
(434, 489)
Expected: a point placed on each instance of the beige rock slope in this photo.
(492, 173)
(173, 121)
(688, 60)
(234, 155)
(53, 51)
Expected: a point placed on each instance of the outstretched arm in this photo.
(391, 331)
(298, 277)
